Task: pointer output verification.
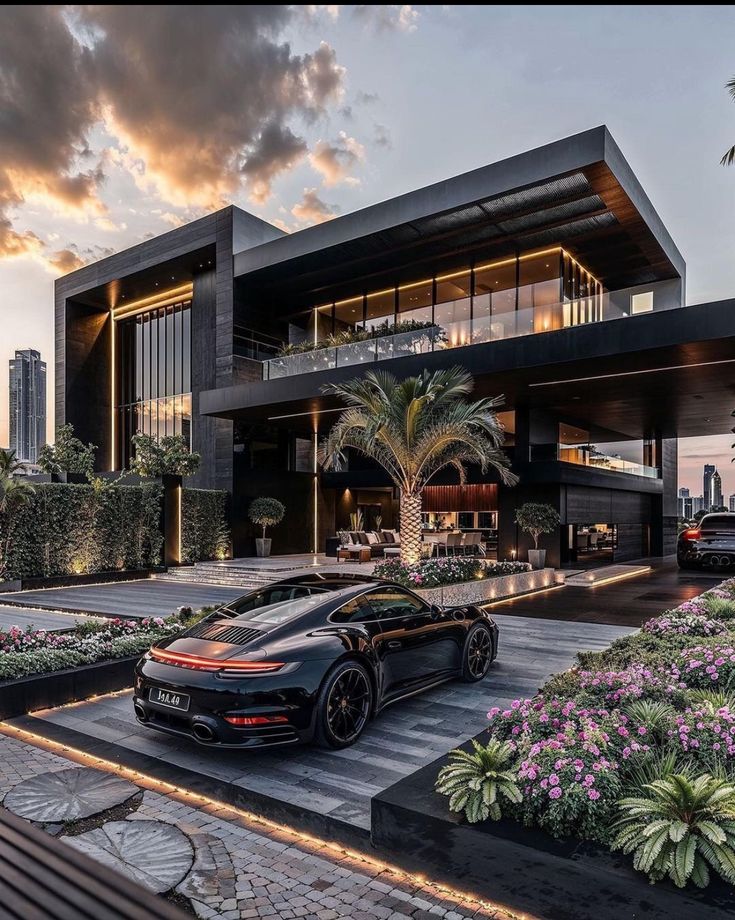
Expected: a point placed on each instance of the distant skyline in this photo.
(352, 105)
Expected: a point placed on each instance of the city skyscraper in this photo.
(732, 503)
(27, 404)
(716, 490)
(683, 493)
(709, 470)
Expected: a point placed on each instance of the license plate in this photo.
(169, 698)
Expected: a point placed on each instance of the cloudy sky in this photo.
(119, 122)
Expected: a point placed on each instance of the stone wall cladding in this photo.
(484, 590)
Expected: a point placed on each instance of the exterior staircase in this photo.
(236, 574)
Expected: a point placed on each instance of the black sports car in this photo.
(311, 658)
(711, 543)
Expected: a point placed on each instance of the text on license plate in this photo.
(169, 698)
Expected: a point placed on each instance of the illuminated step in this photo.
(606, 574)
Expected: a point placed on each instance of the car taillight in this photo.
(230, 666)
(254, 720)
(692, 534)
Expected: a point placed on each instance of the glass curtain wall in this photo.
(154, 376)
(532, 292)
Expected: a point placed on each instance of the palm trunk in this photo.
(410, 507)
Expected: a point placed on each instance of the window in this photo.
(452, 310)
(357, 610)
(389, 603)
(641, 303)
(278, 594)
(414, 301)
(348, 314)
(153, 361)
(380, 309)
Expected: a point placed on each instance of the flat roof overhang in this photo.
(578, 192)
(672, 371)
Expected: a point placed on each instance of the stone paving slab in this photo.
(403, 738)
(243, 869)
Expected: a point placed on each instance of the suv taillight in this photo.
(692, 534)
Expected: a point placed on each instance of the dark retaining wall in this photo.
(45, 691)
(71, 581)
(525, 869)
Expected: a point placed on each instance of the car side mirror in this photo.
(436, 611)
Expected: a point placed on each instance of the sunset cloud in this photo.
(194, 139)
(336, 160)
(311, 209)
(389, 17)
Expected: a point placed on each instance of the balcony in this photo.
(588, 455)
(476, 329)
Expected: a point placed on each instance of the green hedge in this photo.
(204, 530)
(73, 529)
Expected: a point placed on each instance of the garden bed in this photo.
(47, 691)
(624, 763)
(524, 869)
(453, 581)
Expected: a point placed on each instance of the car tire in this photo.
(339, 724)
(478, 644)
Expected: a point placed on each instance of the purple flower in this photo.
(555, 793)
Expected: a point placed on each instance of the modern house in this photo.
(549, 276)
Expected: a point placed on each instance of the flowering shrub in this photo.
(655, 703)
(708, 736)
(449, 570)
(36, 651)
(684, 624)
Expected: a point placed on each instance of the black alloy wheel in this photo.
(344, 706)
(478, 654)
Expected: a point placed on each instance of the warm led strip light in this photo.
(612, 578)
(162, 299)
(445, 892)
(520, 597)
(650, 370)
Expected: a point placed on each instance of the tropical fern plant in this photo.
(475, 782)
(680, 828)
(414, 428)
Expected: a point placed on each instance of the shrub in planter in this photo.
(682, 623)
(265, 512)
(709, 665)
(536, 519)
(680, 828)
(707, 735)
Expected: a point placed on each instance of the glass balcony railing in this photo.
(481, 327)
(586, 455)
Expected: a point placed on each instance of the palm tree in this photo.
(413, 428)
(9, 463)
(729, 157)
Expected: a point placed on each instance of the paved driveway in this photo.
(40, 619)
(143, 598)
(402, 739)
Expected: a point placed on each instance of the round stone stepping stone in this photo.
(68, 795)
(151, 853)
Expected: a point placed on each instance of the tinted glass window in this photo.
(356, 610)
(276, 594)
(719, 522)
(391, 602)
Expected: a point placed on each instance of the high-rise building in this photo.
(683, 493)
(27, 404)
(687, 510)
(699, 504)
(731, 503)
(709, 470)
(716, 490)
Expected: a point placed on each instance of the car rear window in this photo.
(719, 523)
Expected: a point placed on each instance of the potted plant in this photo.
(534, 518)
(265, 512)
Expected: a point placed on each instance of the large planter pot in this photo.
(484, 590)
(263, 546)
(537, 558)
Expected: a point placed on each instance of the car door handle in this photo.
(394, 644)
